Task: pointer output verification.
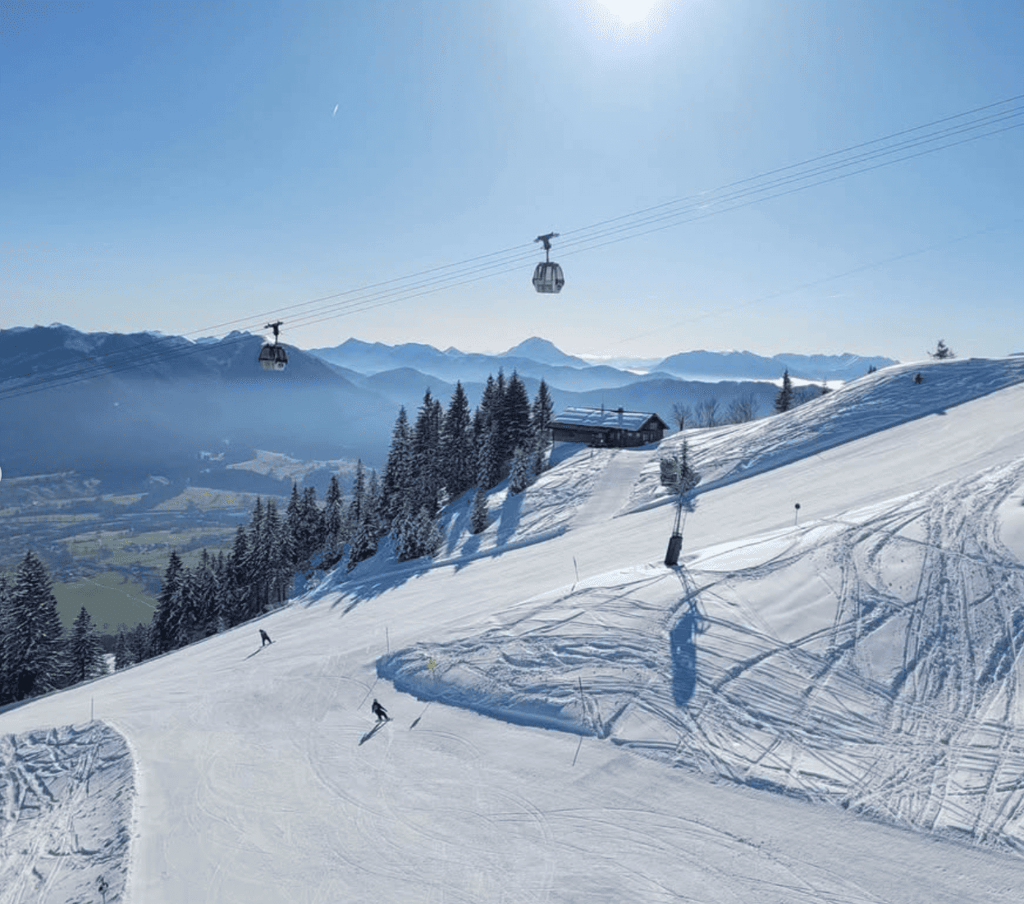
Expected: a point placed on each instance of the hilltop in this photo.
(819, 704)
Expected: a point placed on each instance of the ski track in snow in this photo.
(867, 660)
(66, 797)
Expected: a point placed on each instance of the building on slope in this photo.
(607, 427)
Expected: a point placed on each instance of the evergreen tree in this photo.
(209, 614)
(293, 527)
(784, 400)
(485, 438)
(169, 597)
(237, 594)
(489, 459)
(542, 412)
(677, 472)
(6, 692)
(356, 506)
(417, 535)
(941, 352)
(478, 517)
(334, 515)
(522, 473)
(280, 570)
(370, 527)
(33, 636)
(426, 455)
(122, 653)
(397, 481)
(85, 655)
(458, 461)
(516, 430)
(139, 643)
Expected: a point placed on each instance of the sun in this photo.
(629, 11)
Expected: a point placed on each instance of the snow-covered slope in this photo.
(860, 654)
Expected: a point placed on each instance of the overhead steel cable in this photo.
(755, 189)
(100, 363)
(855, 147)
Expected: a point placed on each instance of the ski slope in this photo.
(817, 705)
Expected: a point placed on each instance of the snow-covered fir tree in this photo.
(396, 484)
(677, 472)
(33, 635)
(168, 599)
(426, 457)
(85, 655)
(516, 429)
(522, 473)
(478, 516)
(458, 461)
(784, 400)
(334, 515)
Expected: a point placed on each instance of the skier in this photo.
(264, 638)
(379, 712)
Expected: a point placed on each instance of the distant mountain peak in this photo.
(544, 352)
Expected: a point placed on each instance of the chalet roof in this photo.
(606, 418)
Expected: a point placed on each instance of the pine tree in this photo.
(941, 352)
(237, 594)
(280, 570)
(516, 432)
(478, 517)
(370, 527)
(458, 461)
(677, 472)
(784, 400)
(122, 653)
(6, 692)
(166, 616)
(522, 473)
(85, 654)
(426, 455)
(355, 507)
(33, 638)
(489, 459)
(397, 481)
(542, 412)
(334, 514)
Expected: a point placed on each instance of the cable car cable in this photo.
(437, 279)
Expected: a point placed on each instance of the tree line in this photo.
(36, 654)
(437, 457)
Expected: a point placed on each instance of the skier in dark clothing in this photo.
(264, 638)
(379, 712)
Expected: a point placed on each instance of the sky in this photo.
(195, 168)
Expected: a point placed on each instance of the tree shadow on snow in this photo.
(510, 514)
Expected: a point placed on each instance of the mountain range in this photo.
(125, 407)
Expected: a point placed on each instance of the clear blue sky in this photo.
(177, 166)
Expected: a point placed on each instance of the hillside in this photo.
(859, 654)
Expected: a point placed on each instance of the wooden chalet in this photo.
(607, 427)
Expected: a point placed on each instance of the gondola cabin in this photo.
(547, 275)
(272, 355)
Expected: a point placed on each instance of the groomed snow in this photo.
(820, 704)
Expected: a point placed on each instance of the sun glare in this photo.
(629, 11)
